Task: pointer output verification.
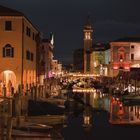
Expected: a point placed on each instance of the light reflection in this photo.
(121, 113)
(84, 90)
(87, 115)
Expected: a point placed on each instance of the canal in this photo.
(100, 116)
(110, 118)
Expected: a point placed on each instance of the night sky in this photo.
(111, 19)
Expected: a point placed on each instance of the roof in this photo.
(128, 39)
(100, 47)
(88, 25)
(4, 11)
(46, 40)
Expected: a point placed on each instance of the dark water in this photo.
(111, 119)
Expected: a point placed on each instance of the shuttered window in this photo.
(8, 51)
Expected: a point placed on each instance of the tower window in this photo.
(132, 47)
(87, 35)
(8, 25)
(8, 51)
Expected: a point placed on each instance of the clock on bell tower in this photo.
(88, 64)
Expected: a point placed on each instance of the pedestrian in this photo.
(4, 90)
(12, 90)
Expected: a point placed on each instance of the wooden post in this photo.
(2, 121)
(9, 128)
(4, 91)
(9, 120)
(135, 86)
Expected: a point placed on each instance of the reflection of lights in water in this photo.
(101, 95)
(121, 114)
(120, 105)
(84, 90)
(94, 95)
(86, 120)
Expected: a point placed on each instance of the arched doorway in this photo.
(7, 78)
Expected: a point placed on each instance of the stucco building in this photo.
(101, 58)
(56, 68)
(125, 54)
(45, 59)
(17, 49)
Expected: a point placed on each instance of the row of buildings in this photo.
(26, 58)
(106, 59)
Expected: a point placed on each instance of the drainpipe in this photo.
(22, 55)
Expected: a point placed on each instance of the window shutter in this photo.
(3, 52)
(12, 52)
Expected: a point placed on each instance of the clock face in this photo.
(87, 35)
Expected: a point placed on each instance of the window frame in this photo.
(8, 51)
(8, 25)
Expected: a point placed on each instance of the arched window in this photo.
(8, 51)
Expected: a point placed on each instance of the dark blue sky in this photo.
(111, 19)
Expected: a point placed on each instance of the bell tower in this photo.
(88, 64)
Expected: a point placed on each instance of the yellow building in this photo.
(17, 49)
(101, 58)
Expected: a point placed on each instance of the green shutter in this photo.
(3, 52)
(12, 52)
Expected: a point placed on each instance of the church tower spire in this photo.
(88, 64)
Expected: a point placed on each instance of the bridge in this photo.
(75, 76)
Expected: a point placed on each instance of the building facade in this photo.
(45, 60)
(125, 54)
(101, 59)
(56, 68)
(17, 49)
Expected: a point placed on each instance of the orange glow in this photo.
(8, 78)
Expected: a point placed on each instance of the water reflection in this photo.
(124, 114)
(120, 113)
(100, 101)
(87, 116)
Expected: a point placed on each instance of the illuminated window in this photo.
(87, 35)
(8, 25)
(8, 51)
